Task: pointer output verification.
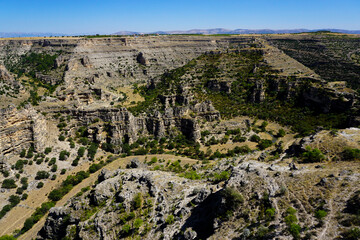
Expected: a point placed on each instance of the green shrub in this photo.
(8, 183)
(19, 164)
(193, 175)
(95, 167)
(5, 173)
(350, 154)
(24, 196)
(39, 161)
(92, 150)
(312, 155)
(63, 171)
(291, 218)
(152, 161)
(126, 229)
(48, 150)
(263, 126)
(42, 175)
(75, 162)
(54, 168)
(14, 200)
(137, 201)
(24, 180)
(223, 176)
(270, 214)
(52, 161)
(261, 232)
(242, 150)
(63, 155)
(40, 185)
(36, 216)
(61, 126)
(55, 195)
(7, 237)
(281, 133)
(84, 140)
(255, 138)
(294, 230)
(138, 223)
(320, 214)
(81, 152)
(61, 138)
(264, 143)
(30, 152)
(239, 138)
(19, 190)
(23, 153)
(5, 210)
(170, 219)
(233, 199)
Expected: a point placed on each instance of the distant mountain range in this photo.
(241, 31)
(192, 31)
(30, 34)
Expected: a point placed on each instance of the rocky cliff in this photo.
(21, 129)
(253, 203)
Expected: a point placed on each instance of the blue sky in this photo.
(109, 16)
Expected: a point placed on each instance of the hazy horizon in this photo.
(109, 16)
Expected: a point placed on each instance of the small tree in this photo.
(137, 223)
(48, 150)
(126, 229)
(9, 183)
(40, 185)
(137, 201)
(320, 215)
(312, 155)
(81, 152)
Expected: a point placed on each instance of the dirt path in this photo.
(16, 217)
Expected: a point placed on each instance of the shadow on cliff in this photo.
(203, 216)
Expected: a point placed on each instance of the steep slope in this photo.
(81, 104)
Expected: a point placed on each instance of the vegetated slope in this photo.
(241, 83)
(333, 57)
(187, 110)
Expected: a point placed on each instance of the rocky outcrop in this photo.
(58, 218)
(220, 86)
(21, 129)
(329, 98)
(141, 59)
(158, 193)
(5, 75)
(169, 207)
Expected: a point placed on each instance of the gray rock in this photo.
(104, 174)
(292, 166)
(190, 234)
(134, 163)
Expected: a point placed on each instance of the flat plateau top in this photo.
(189, 35)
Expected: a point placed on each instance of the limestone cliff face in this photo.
(122, 125)
(21, 129)
(117, 61)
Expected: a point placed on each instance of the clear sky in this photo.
(109, 16)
